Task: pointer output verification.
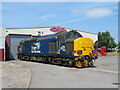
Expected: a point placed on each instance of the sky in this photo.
(86, 16)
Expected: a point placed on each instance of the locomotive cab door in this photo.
(61, 46)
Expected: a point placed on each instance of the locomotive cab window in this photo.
(52, 45)
(77, 35)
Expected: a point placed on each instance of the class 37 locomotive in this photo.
(64, 48)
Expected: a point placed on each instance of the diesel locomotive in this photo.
(64, 48)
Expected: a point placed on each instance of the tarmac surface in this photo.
(104, 75)
(15, 75)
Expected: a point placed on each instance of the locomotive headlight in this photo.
(93, 51)
(79, 51)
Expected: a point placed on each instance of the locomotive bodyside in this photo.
(69, 48)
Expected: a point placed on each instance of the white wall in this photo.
(93, 36)
(2, 38)
(32, 31)
(46, 30)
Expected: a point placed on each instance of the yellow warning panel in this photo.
(83, 46)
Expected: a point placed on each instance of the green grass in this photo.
(113, 53)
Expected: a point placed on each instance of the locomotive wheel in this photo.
(26, 58)
(52, 61)
(49, 60)
(58, 62)
(86, 63)
(64, 63)
(91, 64)
(79, 64)
(55, 61)
(70, 63)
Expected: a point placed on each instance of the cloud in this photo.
(88, 13)
(46, 17)
(98, 12)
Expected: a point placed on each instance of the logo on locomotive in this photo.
(35, 48)
(62, 48)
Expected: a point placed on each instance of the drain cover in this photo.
(116, 83)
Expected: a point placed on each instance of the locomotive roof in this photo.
(47, 36)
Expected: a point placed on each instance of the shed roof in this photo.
(48, 27)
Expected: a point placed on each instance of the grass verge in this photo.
(113, 53)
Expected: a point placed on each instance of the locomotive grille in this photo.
(69, 47)
(52, 45)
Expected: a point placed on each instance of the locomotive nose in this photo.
(83, 46)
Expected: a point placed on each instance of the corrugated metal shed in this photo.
(1, 54)
(16, 34)
(46, 30)
(12, 42)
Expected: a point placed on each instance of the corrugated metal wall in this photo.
(12, 42)
(7, 47)
(94, 37)
(1, 54)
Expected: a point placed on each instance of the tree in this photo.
(105, 39)
(119, 44)
(119, 47)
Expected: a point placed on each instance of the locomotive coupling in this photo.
(82, 58)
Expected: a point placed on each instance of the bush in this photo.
(119, 51)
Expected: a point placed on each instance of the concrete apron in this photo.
(15, 75)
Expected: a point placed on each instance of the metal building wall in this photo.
(93, 36)
(12, 42)
(2, 44)
(30, 30)
(46, 30)
(7, 47)
(1, 54)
